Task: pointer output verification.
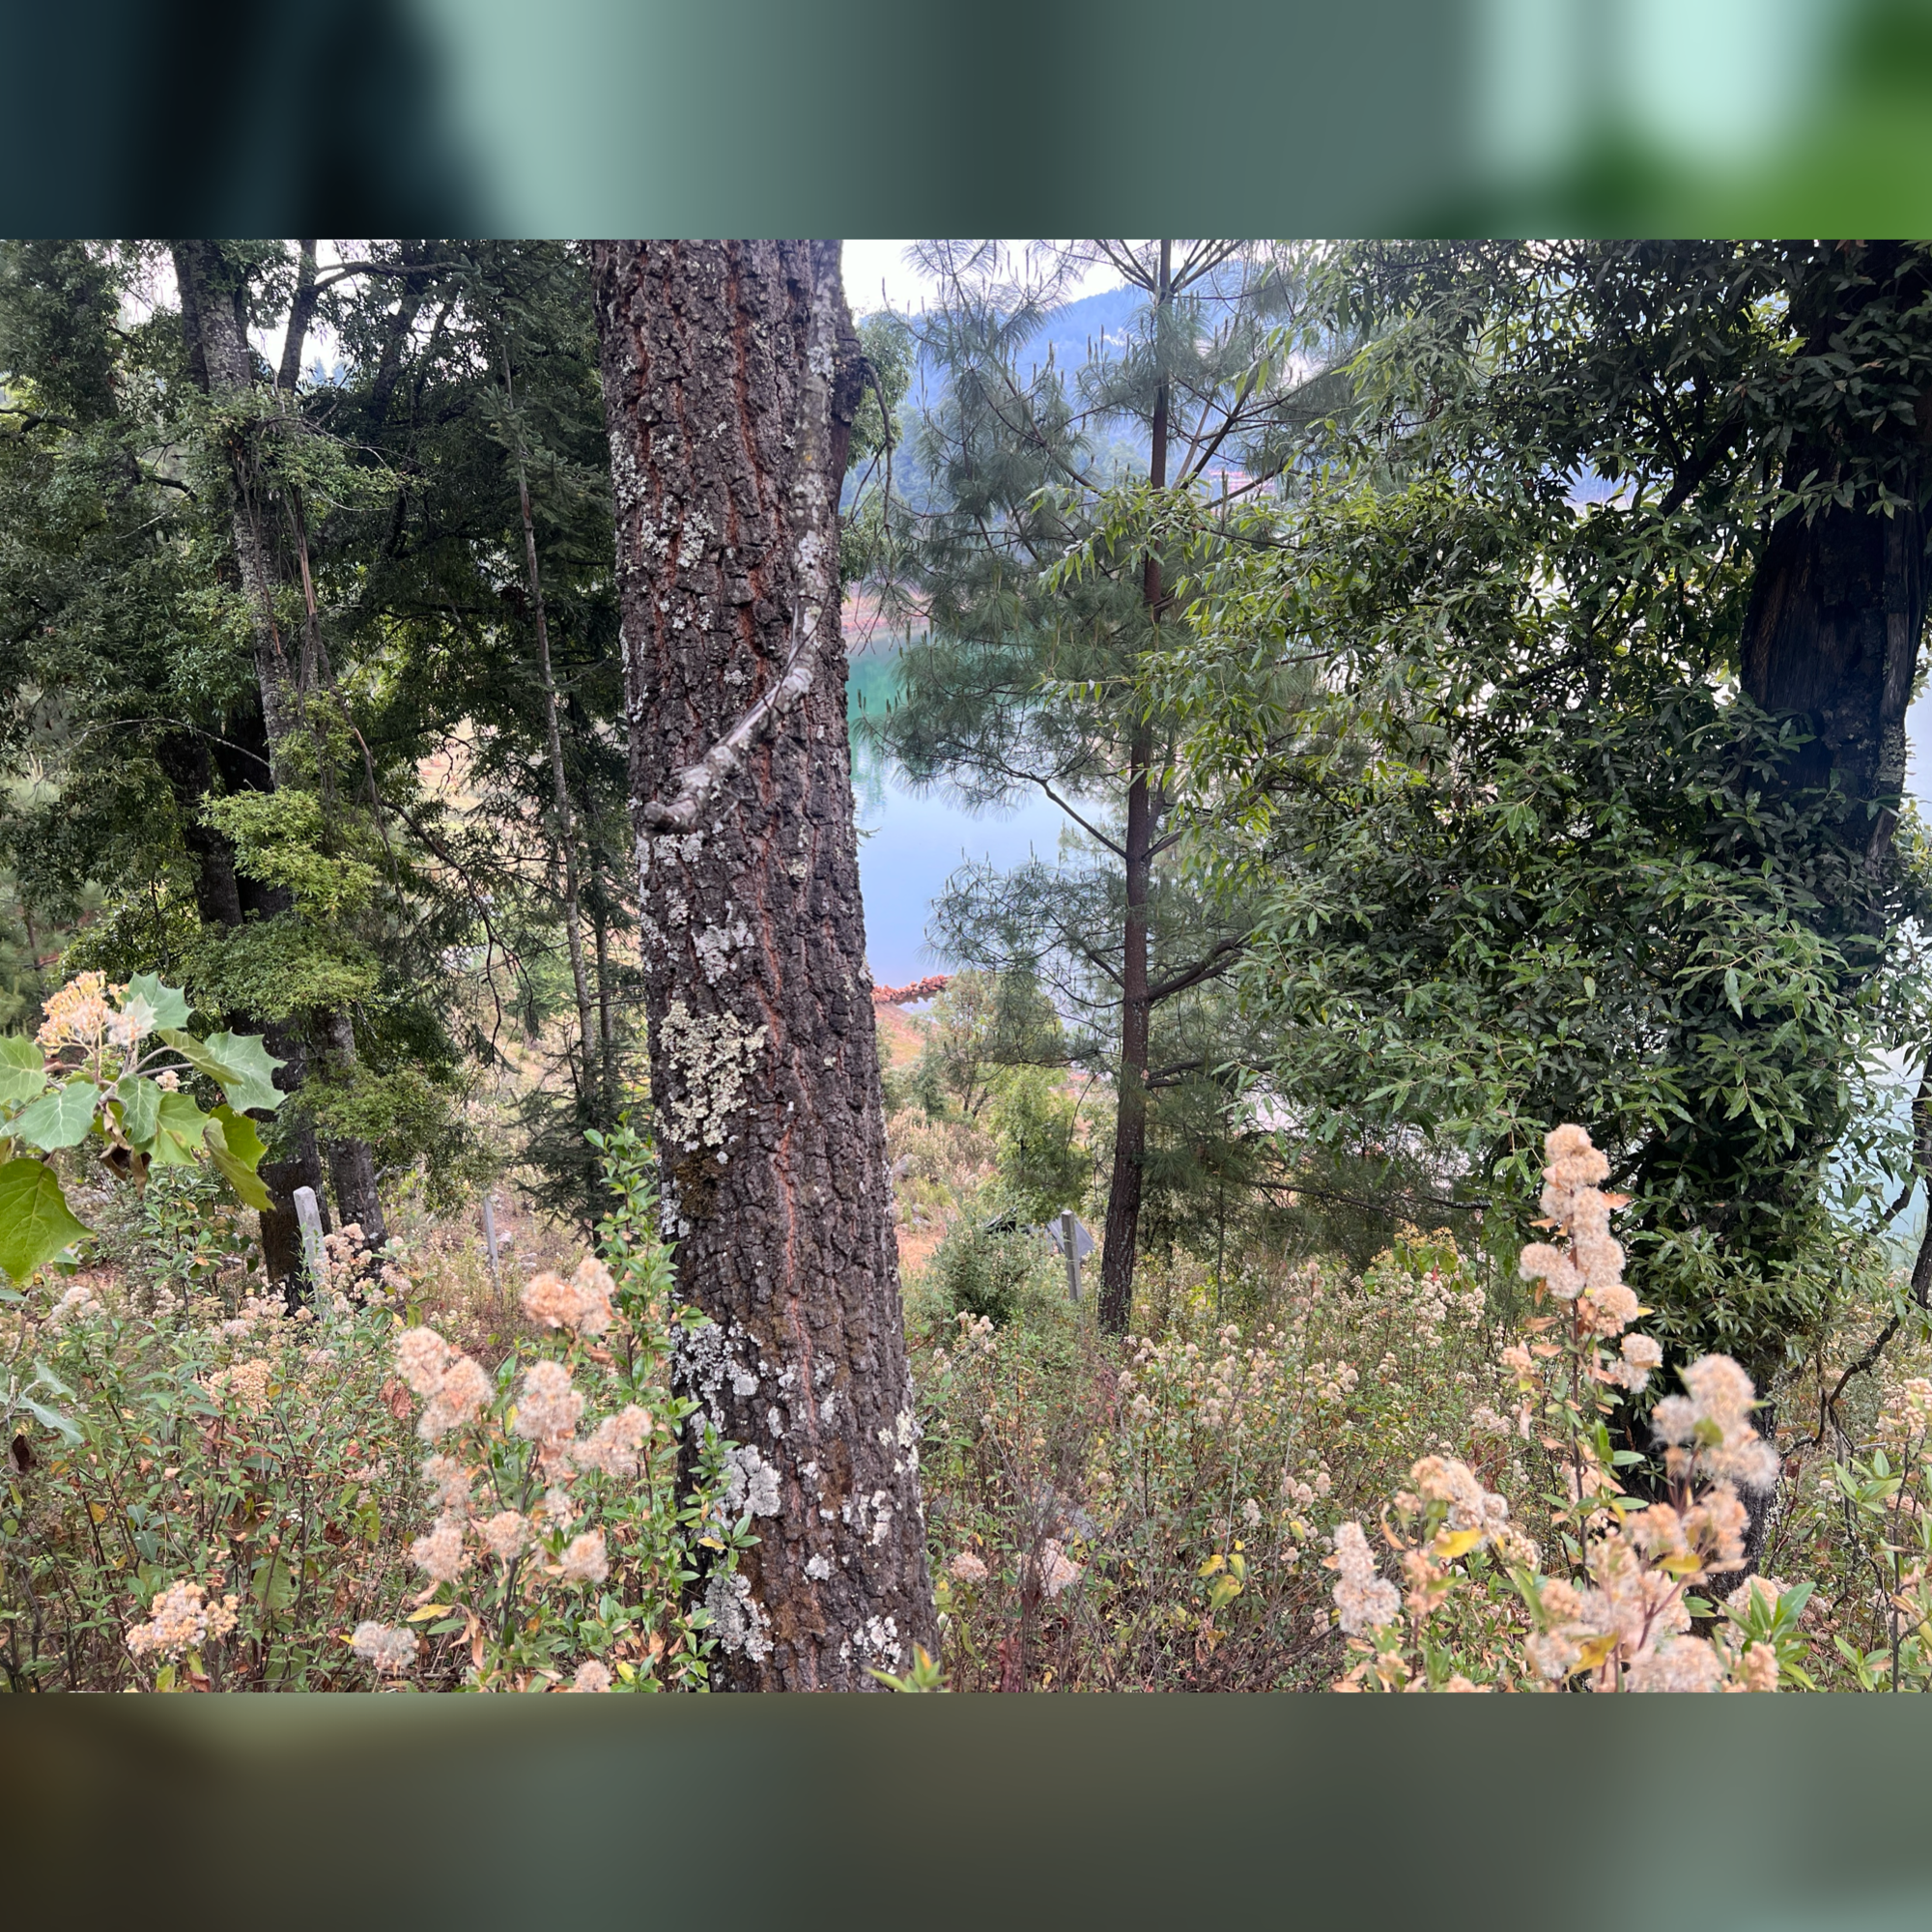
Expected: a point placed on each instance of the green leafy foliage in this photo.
(34, 1224)
(115, 1076)
(1526, 853)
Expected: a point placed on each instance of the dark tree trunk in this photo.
(1838, 604)
(1832, 636)
(730, 373)
(214, 323)
(1119, 1245)
(1124, 1192)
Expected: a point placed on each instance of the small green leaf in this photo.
(220, 1136)
(169, 1003)
(140, 1108)
(23, 1073)
(52, 1418)
(1731, 992)
(60, 1119)
(45, 1378)
(34, 1224)
(238, 1136)
(250, 1081)
(271, 1584)
(178, 1137)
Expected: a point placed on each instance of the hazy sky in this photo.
(877, 276)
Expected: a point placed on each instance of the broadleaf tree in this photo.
(1616, 571)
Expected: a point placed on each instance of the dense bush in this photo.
(232, 1495)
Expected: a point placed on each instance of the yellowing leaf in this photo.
(1454, 1542)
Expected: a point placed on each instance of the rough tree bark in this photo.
(730, 373)
(221, 359)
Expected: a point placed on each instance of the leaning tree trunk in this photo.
(221, 360)
(730, 372)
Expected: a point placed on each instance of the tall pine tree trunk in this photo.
(1123, 1193)
(215, 328)
(731, 374)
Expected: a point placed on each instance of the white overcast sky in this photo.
(877, 276)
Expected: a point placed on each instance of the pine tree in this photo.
(1036, 624)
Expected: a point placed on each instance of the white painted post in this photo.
(490, 1240)
(1070, 1239)
(308, 1217)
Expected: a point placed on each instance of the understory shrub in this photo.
(231, 1495)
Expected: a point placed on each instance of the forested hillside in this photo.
(1407, 1195)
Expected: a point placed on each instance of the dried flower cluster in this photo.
(1366, 1599)
(457, 1389)
(389, 1650)
(182, 1620)
(1621, 1620)
(1709, 1430)
(581, 1302)
(79, 1015)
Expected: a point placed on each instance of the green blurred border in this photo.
(1584, 1813)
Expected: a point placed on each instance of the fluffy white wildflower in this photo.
(503, 1535)
(421, 1358)
(1756, 1589)
(1441, 1479)
(1364, 1599)
(1642, 1353)
(1058, 1571)
(966, 1568)
(1679, 1663)
(449, 1482)
(461, 1397)
(1906, 1419)
(243, 1384)
(591, 1677)
(390, 1650)
(613, 1447)
(78, 1304)
(1611, 1307)
(440, 1554)
(585, 1560)
(548, 1407)
(581, 1302)
(1708, 1432)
